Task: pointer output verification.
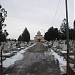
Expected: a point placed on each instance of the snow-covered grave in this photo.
(63, 45)
(45, 43)
(56, 43)
(9, 54)
(10, 61)
(50, 42)
(14, 46)
(23, 44)
(0, 48)
(72, 66)
(72, 56)
(74, 43)
(63, 51)
(6, 47)
(31, 46)
(71, 43)
(62, 61)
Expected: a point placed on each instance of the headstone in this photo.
(55, 43)
(64, 46)
(71, 43)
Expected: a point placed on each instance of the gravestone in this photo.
(56, 43)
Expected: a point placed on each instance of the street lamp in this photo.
(43, 31)
(3, 15)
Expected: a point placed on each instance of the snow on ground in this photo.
(63, 51)
(72, 56)
(10, 61)
(62, 61)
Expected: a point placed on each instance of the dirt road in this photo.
(36, 61)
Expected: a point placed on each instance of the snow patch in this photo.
(10, 61)
(62, 61)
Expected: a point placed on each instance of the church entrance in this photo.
(39, 40)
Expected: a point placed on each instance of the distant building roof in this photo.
(38, 33)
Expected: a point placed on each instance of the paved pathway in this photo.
(36, 61)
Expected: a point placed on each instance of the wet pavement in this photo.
(36, 61)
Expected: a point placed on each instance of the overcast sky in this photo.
(35, 15)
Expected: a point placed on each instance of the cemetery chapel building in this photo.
(39, 37)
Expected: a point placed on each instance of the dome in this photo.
(38, 33)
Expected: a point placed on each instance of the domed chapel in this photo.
(39, 37)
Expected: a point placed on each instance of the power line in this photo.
(55, 12)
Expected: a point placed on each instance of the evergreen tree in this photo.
(4, 34)
(20, 38)
(25, 36)
(63, 30)
(52, 34)
(71, 34)
(56, 33)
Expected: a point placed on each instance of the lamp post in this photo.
(67, 33)
(3, 15)
(43, 31)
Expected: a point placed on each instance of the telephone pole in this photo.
(67, 33)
